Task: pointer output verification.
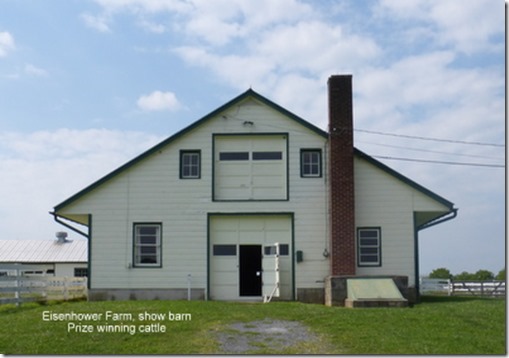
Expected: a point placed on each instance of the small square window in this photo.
(369, 247)
(311, 163)
(190, 164)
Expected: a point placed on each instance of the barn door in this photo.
(250, 267)
(270, 269)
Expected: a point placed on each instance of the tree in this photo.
(465, 276)
(484, 275)
(501, 275)
(441, 272)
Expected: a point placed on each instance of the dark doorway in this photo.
(250, 270)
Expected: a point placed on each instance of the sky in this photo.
(86, 86)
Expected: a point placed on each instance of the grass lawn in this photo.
(439, 325)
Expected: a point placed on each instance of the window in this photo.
(267, 155)
(369, 247)
(311, 163)
(190, 164)
(271, 250)
(234, 156)
(147, 245)
(26, 273)
(80, 272)
(225, 250)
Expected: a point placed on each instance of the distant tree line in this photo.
(481, 275)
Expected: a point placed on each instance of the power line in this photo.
(429, 138)
(430, 151)
(439, 162)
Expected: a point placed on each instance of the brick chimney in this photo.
(341, 176)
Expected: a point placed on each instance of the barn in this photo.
(63, 258)
(249, 202)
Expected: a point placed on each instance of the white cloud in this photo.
(289, 62)
(35, 71)
(471, 28)
(315, 47)
(220, 22)
(150, 6)
(467, 26)
(159, 101)
(6, 43)
(151, 26)
(426, 88)
(41, 169)
(99, 22)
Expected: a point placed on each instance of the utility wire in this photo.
(429, 138)
(413, 137)
(439, 162)
(429, 150)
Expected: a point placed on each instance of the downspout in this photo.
(88, 236)
(55, 216)
(439, 220)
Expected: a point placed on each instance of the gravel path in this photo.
(266, 334)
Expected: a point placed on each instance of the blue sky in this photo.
(87, 85)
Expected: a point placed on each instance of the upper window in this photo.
(369, 247)
(147, 245)
(311, 163)
(267, 155)
(234, 156)
(190, 164)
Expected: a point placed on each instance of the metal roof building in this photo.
(57, 257)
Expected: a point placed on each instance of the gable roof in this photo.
(248, 94)
(38, 251)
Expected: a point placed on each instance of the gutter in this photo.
(56, 217)
(439, 220)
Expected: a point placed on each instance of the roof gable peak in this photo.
(249, 93)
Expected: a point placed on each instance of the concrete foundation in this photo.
(144, 294)
(375, 303)
(311, 295)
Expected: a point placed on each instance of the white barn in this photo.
(46, 257)
(206, 207)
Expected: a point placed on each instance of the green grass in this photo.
(439, 325)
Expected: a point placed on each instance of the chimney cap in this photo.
(339, 79)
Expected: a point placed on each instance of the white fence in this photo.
(19, 288)
(475, 288)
